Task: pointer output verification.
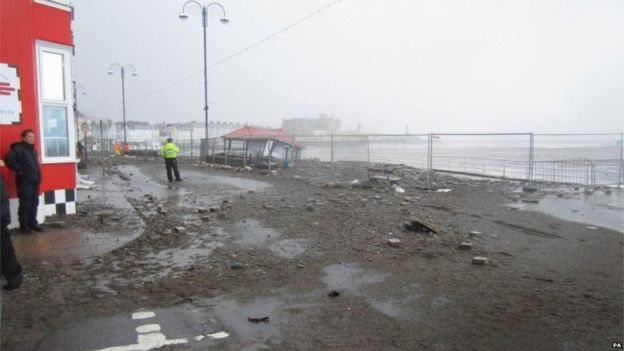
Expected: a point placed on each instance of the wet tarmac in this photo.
(597, 208)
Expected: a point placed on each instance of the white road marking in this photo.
(150, 337)
(143, 315)
(219, 335)
(148, 328)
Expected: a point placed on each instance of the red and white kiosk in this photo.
(36, 49)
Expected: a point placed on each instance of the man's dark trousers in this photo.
(28, 195)
(172, 164)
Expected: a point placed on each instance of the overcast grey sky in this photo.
(435, 65)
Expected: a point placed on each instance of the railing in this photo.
(586, 159)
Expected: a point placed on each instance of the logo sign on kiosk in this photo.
(10, 102)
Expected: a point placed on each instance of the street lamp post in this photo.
(224, 20)
(78, 89)
(122, 69)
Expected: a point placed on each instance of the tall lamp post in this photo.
(224, 20)
(122, 69)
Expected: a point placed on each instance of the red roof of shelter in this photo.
(261, 133)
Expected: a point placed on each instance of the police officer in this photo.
(170, 152)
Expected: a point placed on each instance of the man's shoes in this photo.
(15, 281)
(38, 229)
(25, 230)
(178, 180)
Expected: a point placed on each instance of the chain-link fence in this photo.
(587, 159)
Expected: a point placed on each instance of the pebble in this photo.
(310, 208)
(237, 265)
(480, 260)
(394, 242)
(465, 246)
(474, 233)
(268, 207)
(180, 229)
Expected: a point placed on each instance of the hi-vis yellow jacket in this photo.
(169, 150)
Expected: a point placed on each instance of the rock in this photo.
(248, 169)
(529, 189)
(530, 201)
(205, 218)
(480, 261)
(591, 227)
(332, 184)
(237, 265)
(394, 242)
(167, 231)
(180, 229)
(215, 208)
(465, 246)
(203, 210)
(310, 208)
(474, 233)
(268, 207)
(296, 177)
(416, 226)
(300, 265)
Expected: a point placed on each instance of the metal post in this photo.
(205, 25)
(192, 146)
(123, 102)
(224, 152)
(245, 156)
(429, 159)
(531, 141)
(101, 148)
(621, 163)
(368, 149)
(331, 145)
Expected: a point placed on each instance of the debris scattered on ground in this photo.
(333, 293)
(258, 319)
(237, 265)
(180, 230)
(480, 260)
(394, 242)
(443, 190)
(416, 226)
(474, 233)
(465, 246)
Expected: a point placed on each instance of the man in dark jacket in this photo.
(24, 161)
(11, 270)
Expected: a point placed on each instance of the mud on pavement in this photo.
(231, 259)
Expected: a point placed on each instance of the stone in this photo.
(480, 260)
(474, 233)
(268, 207)
(180, 229)
(310, 208)
(394, 242)
(296, 177)
(591, 227)
(237, 265)
(465, 246)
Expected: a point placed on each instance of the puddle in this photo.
(234, 316)
(596, 209)
(351, 277)
(289, 248)
(166, 261)
(72, 243)
(251, 232)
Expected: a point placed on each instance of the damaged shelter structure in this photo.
(259, 148)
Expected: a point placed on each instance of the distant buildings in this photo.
(145, 135)
(322, 125)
